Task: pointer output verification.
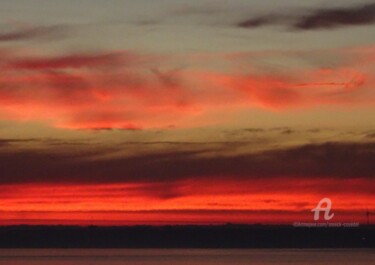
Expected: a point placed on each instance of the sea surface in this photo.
(185, 257)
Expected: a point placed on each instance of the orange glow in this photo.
(103, 93)
(188, 202)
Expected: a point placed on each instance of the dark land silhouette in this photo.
(186, 236)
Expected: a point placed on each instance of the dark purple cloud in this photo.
(332, 18)
(74, 165)
(324, 18)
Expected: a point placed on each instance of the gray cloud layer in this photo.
(342, 160)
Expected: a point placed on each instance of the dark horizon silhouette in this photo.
(186, 236)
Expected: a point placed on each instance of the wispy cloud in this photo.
(72, 61)
(31, 33)
(130, 91)
(327, 18)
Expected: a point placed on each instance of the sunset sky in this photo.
(123, 112)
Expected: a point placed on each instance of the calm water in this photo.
(185, 257)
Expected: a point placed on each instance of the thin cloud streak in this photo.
(327, 18)
(32, 33)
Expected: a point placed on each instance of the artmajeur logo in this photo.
(327, 203)
(324, 206)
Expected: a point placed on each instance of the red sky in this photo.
(203, 201)
(186, 112)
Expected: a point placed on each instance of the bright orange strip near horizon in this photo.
(186, 202)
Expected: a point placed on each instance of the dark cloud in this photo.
(287, 131)
(341, 160)
(255, 133)
(31, 33)
(332, 18)
(72, 61)
(5, 142)
(260, 21)
(254, 130)
(327, 18)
